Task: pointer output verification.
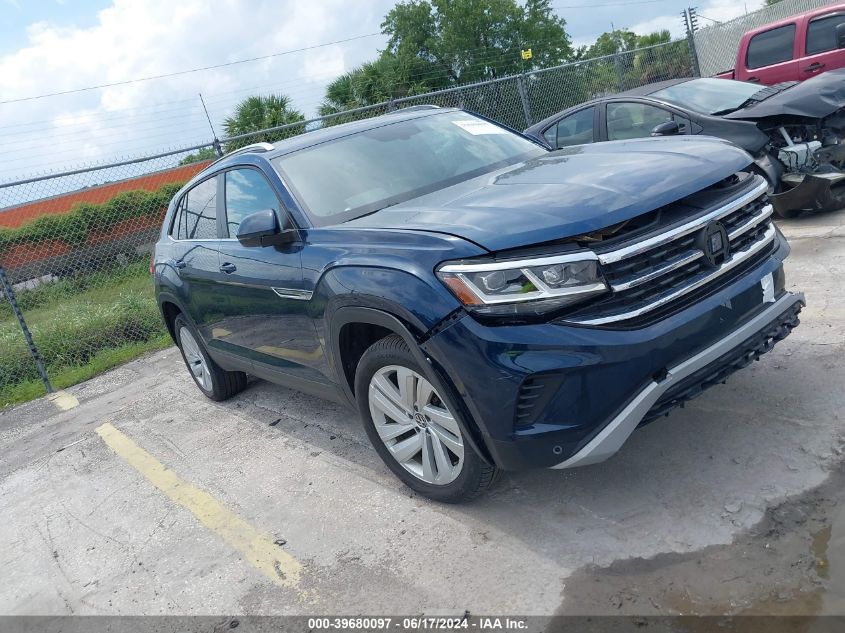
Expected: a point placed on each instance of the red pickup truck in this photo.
(793, 49)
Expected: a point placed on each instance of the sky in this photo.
(49, 46)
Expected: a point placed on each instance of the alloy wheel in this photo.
(415, 425)
(195, 359)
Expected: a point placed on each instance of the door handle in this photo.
(814, 66)
(754, 80)
(179, 264)
(228, 268)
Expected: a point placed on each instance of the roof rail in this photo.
(253, 147)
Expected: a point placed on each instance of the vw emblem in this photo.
(713, 242)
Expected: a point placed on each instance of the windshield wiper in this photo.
(744, 104)
(761, 95)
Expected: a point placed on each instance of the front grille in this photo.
(666, 269)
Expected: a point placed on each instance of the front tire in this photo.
(214, 381)
(412, 427)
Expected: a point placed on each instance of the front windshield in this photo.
(358, 174)
(709, 96)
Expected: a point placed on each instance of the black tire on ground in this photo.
(475, 475)
(221, 384)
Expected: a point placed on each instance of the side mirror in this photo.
(667, 128)
(840, 35)
(262, 229)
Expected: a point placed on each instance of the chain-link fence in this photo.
(718, 44)
(75, 246)
(74, 256)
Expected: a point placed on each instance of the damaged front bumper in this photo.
(689, 378)
(810, 192)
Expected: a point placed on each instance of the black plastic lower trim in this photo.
(718, 371)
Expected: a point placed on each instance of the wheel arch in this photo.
(385, 324)
(170, 308)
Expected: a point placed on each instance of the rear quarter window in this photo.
(771, 47)
(195, 217)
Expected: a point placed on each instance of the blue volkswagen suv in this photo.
(484, 303)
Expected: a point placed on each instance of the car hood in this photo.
(817, 98)
(568, 192)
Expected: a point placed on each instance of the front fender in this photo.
(416, 302)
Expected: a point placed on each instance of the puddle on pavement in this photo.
(834, 553)
(791, 563)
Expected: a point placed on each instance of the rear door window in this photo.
(821, 33)
(771, 47)
(196, 215)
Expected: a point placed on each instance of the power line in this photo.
(159, 112)
(154, 115)
(192, 70)
(711, 19)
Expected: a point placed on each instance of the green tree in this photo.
(434, 44)
(611, 43)
(659, 58)
(259, 113)
(388, 77)
(473, 40)
(206, 153)
(653, 39)
(622, 59)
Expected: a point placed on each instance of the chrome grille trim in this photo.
(698, 281)
(765, 214)
(683, 260)
(690, 255)
(686, 228)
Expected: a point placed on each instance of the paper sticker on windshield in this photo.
(476, 126)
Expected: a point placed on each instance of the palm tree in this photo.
(260, 113)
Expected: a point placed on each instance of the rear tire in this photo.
(214, 381)
(413, 430)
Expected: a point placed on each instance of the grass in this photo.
(68, 376)
(48, 294)
(81, 327)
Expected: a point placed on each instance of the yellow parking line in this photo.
(257, 549)
(63, 400)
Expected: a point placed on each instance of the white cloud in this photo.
(141, 39)
(132, 39)
(718, 10)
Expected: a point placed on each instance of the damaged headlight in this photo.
(525, 286)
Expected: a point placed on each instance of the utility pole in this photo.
(525, 54)
(691, 26)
